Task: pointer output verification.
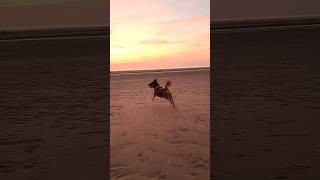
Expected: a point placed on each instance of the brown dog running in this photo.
(162, 92)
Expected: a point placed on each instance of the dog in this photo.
(162, 92)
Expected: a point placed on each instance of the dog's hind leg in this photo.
(174, 105)
(172, 102)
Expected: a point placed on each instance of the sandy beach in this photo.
(152, 140)
(53, 101)
(266, 103)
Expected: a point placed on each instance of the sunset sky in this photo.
(149, 34)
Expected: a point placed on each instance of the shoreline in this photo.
(54, 43)
(159, 70)
(54, 33)
(271, 23)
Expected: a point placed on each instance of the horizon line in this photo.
(49, 27)
(160, 69)
(57, 32)
(271, 22)
(267, 18)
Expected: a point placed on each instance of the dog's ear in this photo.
(155, 80)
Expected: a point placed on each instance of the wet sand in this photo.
(266, 103)
(152, 140)
(53, 101)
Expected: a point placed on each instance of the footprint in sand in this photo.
(152, 149)
(154, 136)
(184, 130)
(159, 175)
(144, 157)
(127, 144)
(124, 133)
(120, 172)
(198, 161)
(162, 176)
(176, 140)
(141, 157)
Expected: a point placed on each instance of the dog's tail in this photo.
(168, 84)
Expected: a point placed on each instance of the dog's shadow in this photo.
(163, 108)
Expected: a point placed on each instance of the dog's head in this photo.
(153, 84)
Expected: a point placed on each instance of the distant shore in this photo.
(159, 70)
(54, 43)
(263, 23)
(58, 32)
